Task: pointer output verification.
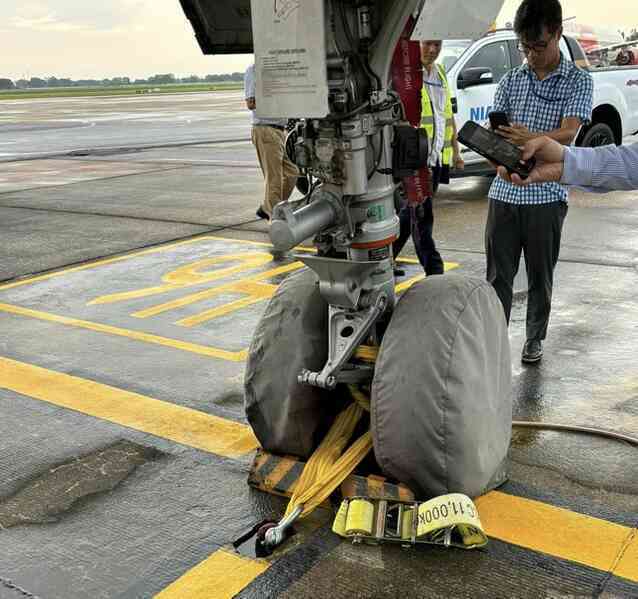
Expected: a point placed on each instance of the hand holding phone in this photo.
(493, 147)
(498, 119)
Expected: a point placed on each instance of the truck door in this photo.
(476, 99)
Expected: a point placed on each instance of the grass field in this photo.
(124, 90)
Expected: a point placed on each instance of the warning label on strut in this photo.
(290, 59)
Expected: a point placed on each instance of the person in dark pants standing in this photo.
(548, 96)
(437, 119)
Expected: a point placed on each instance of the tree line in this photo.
(160, 79)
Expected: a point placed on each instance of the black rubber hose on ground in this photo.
(575, 429)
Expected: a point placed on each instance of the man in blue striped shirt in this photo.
(598, 170)
(548, 96)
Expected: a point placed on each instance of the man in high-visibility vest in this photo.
(437, 119)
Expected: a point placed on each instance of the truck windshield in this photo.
(451, 51)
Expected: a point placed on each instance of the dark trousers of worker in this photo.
(536, 231)
(418, 221)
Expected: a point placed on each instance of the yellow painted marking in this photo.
(229, 308)
(262, 293)
(252, 287)
(282, 468)
(562, 533)
(66, 271)
(189, 275)
(162, 248)
(401, 287)
(232, 287)
(221, 576)
(160, 418)
(527, 523)
(203, 350)
(192, 274)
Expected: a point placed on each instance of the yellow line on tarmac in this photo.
(65, 271)
(154, 250)
(258, 286)
(204, 350)
(531, 524)
(562, 533)
(160, 418)
(221, 576)
(401, 287)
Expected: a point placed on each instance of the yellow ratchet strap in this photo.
(450, 520)
(330, 465)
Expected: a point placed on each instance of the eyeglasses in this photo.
(536, 47)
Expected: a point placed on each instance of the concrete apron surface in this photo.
(125, 451)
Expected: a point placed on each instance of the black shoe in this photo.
(532, 351)
(261, 213)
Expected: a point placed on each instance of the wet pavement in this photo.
(56, 126)
(131, 284)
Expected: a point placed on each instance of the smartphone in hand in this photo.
(498, 119)
(495, 148)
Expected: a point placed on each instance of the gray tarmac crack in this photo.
(62, 185)
(7, 583)
(129, 217)
(111, 151)
(602, 585)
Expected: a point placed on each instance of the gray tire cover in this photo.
(442, 393)
(286, 417)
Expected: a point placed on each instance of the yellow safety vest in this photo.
(427, 117)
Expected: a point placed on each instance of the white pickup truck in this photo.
(475, 68)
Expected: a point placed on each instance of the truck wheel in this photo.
(597, 135)
(442, 395)
(288, 418)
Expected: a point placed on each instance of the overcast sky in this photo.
(136, 38)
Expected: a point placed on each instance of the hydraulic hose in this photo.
(550, 426)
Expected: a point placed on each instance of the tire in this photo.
(442, 392)
(597, 135)
(288, 418)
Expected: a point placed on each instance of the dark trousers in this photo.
(536, 231)
(418, 221)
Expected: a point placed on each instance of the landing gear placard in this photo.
(290, 58)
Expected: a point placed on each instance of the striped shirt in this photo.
(541, 105)
(602, 169)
